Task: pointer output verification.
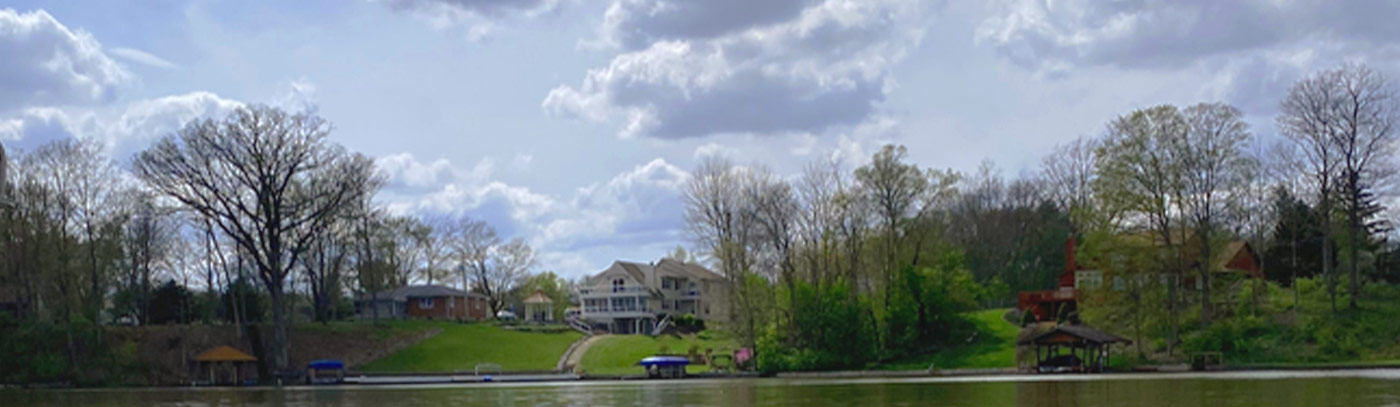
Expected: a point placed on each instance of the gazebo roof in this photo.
(539, 298)
(1069, 334)
(225, 354)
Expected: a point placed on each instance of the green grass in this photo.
(460, 347)
(994, 347)
(381, 330)
(619, 354)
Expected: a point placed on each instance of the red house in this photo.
(1236, 258)
(1046, 304)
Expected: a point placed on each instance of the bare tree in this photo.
(269, 180)
(1069, 173)
(773, 208)
(1365, 141)
(149, 236)
(325, 265)
(819, 219)
(86, 185)
(409, 236)
(1308, 119)
(892, 187)
(1139, 174)
(1215, 172)
(470, 243)
(435, 249)
(510, 264)
(719, 221)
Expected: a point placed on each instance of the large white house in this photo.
(631, 297)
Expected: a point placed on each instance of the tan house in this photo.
(637, 298)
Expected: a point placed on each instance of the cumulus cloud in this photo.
(694, 69)
(1054, 36)
(123, 130)
(640, 207)
(47, 64)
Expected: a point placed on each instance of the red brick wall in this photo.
(462, 308)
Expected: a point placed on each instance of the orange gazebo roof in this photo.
(225, 354)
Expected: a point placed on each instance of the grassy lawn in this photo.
(460, 347)
(619, 354)
(382, 330)
(994, 347)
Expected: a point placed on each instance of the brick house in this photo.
(425, 302)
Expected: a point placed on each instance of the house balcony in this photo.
(638, 313)
(598, 292)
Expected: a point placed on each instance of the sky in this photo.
(573, 123)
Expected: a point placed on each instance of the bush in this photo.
(34, 351)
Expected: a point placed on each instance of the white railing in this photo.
(579, 325)
(661, 326)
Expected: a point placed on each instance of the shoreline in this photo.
(1388, 371)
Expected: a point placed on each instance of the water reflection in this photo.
(1374, 388)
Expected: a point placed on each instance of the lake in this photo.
(1337, 388)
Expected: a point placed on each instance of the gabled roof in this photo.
(538, 298)
(1082, 332)
(420, 291)
(691, 269)
(638, 271)
(225, 354)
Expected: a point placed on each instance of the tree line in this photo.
(242, 219)
(843, 267)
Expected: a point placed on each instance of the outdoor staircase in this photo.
(661, 326)
(578, 325)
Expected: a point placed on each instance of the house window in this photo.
(595, 305)
(622, 304)
(642, 303)
(425, 303)
(665, 305)
(666, 283)
(618, 284)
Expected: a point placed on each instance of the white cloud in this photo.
(47, 64)
(124, 130)
(142, 57)
(796, 67)
(479, 16)
(628, 214)
(405, 171)
(1055, 36)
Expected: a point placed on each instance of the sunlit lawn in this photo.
(460, 347)
(619, 354)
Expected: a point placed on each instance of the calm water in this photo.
(1350, 389)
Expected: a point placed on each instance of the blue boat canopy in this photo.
(325, 364)
(664, 361)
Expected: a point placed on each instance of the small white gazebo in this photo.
(539, 308)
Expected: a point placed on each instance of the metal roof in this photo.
(1084, 332)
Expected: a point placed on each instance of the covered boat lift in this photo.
(665, 367)
(1088, 349)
